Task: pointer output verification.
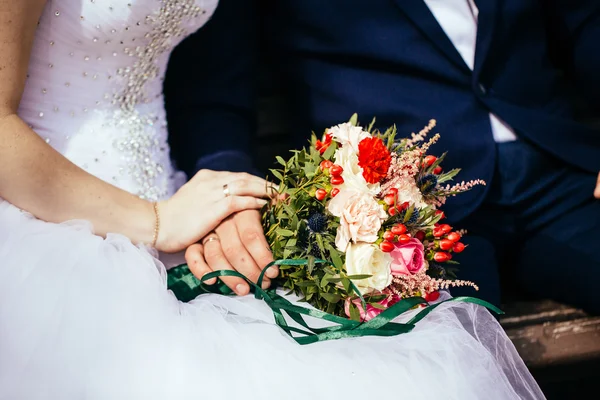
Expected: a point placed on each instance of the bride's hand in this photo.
(203, 202)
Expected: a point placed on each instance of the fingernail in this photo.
(240, 289)
(210, 281)
(261, 202)
(266, 284)
(272, 272)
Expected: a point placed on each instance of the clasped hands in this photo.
(238, 244)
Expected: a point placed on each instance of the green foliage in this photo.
(287, 231)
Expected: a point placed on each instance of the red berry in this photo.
(458, 247)
(393, 191)
(336, 170)
(420, 235)
(320, 194)
(445, 228)
(446, 244)
(437, 232)
(390, 199)
(454, 236)
(441, 257)
(441, 214)
(325, 164)
(389, 236)
(402, 239)
(398, 229)
(429, 160)
(433, 296)
(337, 180)
(334, 192)
(392, 211)
(437, 170)
(404, 206)
(386, 246)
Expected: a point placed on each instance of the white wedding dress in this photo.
(83, 317)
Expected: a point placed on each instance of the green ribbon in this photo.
(187, 287)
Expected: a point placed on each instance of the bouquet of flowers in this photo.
(357, 232)
(369, 204)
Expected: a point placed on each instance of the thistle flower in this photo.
(427, 183)
(317, 222)
(414, 217)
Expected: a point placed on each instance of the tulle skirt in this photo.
(82, 317)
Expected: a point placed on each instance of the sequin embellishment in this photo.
(141, 142)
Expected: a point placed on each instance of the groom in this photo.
(513, 84)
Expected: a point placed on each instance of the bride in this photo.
(89, 198)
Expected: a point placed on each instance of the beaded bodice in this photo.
(94, 86)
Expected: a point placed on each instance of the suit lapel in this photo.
(488, 14)
(418, 12)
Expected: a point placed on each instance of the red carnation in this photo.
(374, 158)
(322, 146)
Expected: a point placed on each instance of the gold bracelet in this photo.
(156, 224)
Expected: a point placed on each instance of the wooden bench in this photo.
(560, 345)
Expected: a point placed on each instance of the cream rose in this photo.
(348, 134)
(347, 158)
(368, 259)
(360, 218)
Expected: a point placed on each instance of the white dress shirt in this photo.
(458, 18)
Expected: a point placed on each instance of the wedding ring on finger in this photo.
(211, 238)
(226, 191)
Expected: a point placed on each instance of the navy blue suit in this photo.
(536, 67)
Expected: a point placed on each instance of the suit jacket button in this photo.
(482, 89)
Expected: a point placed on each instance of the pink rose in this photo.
(360, 218)
(372, 312)
(408, 258)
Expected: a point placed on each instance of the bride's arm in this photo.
(33, 175)
(38, 179)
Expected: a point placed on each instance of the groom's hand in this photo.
(241, 246)
(597, 191)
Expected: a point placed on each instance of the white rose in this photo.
(348, 134)
(353, 177)
(368, 259)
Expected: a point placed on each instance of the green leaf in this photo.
(335, 258)
(354, 119)
(281, 161)
(358, 277)
(314, 288)
(311, 264)
(346, 284)
(277, 174)
(378, 306)
(448, 176)
(370, 128)
(319, 239)
(354, 313)
(298, 274)
(331, 297)
(330, 150)
(409, 213)
(284, 232)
